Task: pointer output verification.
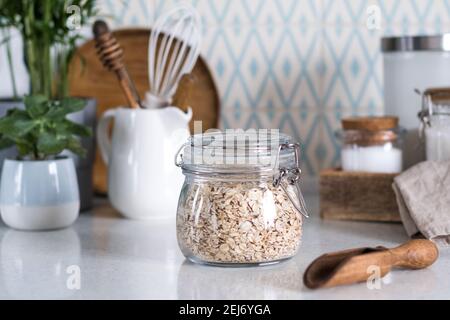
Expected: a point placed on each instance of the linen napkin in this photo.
(423, 198)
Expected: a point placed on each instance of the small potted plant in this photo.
(39, 189)
(49, 30)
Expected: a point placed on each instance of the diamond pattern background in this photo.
(266, 57)
(297, 65)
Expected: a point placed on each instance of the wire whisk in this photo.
(174, 47)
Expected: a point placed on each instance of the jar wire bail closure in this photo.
(291, 176)
(435, 102)
(281, 178)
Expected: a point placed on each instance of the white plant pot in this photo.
(84, 166)
(39, 195)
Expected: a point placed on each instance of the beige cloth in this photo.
(423, 198)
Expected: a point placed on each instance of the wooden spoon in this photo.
(354, 265)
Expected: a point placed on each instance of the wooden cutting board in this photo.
(88, 78)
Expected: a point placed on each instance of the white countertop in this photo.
(125, 259)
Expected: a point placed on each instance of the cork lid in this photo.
(370, 123)
(438, 94)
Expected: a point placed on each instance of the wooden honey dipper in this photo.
(352, 266)
(111, 55)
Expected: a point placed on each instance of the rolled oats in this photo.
(238, 222)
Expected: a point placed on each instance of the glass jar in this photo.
(435, 117)
(241, 202)
(371, 144)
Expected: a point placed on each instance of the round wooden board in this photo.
(88, 78)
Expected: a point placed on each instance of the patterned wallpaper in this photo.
(297, 65)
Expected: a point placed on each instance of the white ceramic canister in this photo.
(413, 62)
(143, 183)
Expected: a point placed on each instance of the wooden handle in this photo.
(110, 53)
(357, 265)
(414, 254)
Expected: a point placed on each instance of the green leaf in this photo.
(36, 106)
(24, 146)
(42, 129)
(67, 127)
(50, 144)
(60, 110)
(17, 112)
(73, 104)
(74, 145)
(16, 125)
(5, 142)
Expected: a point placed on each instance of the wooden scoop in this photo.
(355, 265)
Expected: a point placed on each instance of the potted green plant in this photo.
(50, 30)
(39, 189)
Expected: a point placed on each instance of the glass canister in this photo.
(435, 118)
(241, 202)
(371, 144)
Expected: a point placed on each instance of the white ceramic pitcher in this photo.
(143, 182)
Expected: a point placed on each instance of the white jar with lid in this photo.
(371, 144)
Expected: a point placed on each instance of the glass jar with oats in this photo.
(241, 202)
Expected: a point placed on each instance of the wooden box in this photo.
(357, 196)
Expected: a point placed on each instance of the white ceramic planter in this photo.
(39, 195)
(84, 166)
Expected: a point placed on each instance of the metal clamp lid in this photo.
(292, 177)
(285, 176)
(179, 155)
(435, 102)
